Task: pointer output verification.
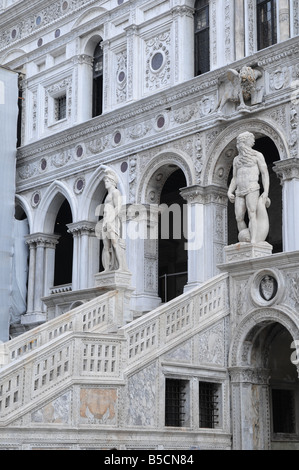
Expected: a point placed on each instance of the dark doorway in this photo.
(172, 252)
(64, 248)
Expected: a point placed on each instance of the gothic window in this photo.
(97, 104)
(202, 40)
(208, 405)
(176, 399)
(266, 23)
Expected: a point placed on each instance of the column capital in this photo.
(287, 169)
(197, 194)
(84, 227)
(42, 239)
(82, 59)
(183, 10)
(250, 375)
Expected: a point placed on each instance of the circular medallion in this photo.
(157, 61)
(43, 164)
(124, 167)
(117, 137)
(35, 199)
(79, 185)
(79, 151)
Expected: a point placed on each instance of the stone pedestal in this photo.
(245, 251)
(121, 282)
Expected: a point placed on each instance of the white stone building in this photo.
(186, 349)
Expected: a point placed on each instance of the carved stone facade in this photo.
(116, 344)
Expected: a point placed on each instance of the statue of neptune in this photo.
(244, 191)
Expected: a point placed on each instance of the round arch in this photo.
(88, 15)
(94, 194)
(222, 152)
(90, 42)
(158, 171)
(12, 55)
(51, 202)
(20, 201)
(251, 326)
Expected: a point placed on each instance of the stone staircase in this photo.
(81, 347)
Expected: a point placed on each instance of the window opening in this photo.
(97, 81)
(202, 37)
(208, 405)
(266, 23)
(60, 108)
(175, 402)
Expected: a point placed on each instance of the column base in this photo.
(33, 319)
(244, 251)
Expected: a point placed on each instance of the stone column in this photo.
(133, 81)
(250, 408)
(142, 256)
(183, 23)
(31, 276)
(284, 20)
(84, 89)
(288, 172)
(85, 260)
(107, 67)
(239, 29)
(40, 276)
(206, 238)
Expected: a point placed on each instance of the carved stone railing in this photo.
(149, 335)
(24, 385)
(92, 316)
(77, 346)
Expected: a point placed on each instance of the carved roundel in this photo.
(79, 185)
(157, 61)
(36, 198)
(267, 287)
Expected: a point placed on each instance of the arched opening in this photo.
(97, 93)
(267, 147)
(64, 248)
(268, 417)
(171, 245)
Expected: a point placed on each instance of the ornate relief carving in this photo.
(132, 179)
(158, 76)
(211, 345)
(293, 290)
(61, 159)
(279, 78)
(121, 77)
